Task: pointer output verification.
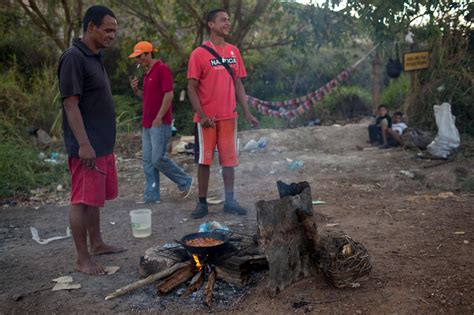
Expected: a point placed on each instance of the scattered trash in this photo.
(65, 283)
(66, 286)
(213, 201)
(54, 159)
(64, 279)
(110, 270)
(408, 174)
(297, 164)
(315, 122)
(211, 226)
(289, 160)
(447, 194)
(447, 140)
(35, 236)
(254, 145)
(59, 188)
(318, 202)
(262, 142)
(466, 242)
(41, 156)
(251, 145)
(336, 125)
(355, 285)
(332, 224)
(273, 171)
(459, 232)
(112, 222)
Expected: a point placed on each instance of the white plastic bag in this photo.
(447, 140)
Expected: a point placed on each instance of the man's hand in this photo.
(207, 122)
(252, 120)
(134, 84)
(157, 122)
(87, 155)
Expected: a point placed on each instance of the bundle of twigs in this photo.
(344, 261)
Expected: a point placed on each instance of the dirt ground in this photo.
(418, 230)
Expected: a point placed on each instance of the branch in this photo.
(244, 27)
(163, 30)
(41, 22)
(198, 17)
(67, 15)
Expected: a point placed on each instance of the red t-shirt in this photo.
(156, 82)
(216, 89)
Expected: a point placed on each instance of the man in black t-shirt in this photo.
(379, 129)
(89, 134)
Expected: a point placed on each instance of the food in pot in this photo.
(204, 242)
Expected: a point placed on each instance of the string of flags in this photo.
(291, 108)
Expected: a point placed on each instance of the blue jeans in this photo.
(154, 144)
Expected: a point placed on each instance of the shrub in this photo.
(396, 92)
(347, 102)
(22, 171)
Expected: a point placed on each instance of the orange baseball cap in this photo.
(140, 48)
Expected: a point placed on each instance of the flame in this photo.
(198, 263)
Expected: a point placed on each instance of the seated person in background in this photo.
(395, 133)
(379, 129)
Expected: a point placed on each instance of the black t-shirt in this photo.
(380, 118)
(82, 73)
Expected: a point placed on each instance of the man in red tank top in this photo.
(213, 91)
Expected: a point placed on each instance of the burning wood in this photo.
(196, 282)
(208, 291)
(149, 280)
(177, 278)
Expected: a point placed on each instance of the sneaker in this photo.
(200, 211)
(185, 193)
(234, 208)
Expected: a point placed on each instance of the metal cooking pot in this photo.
(207, 250)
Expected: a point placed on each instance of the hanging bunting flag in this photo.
(298, 106)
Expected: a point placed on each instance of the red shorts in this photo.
(92, 186)
(224, 135)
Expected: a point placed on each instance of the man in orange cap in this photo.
(157, 96)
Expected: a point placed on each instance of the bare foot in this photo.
(106, 249)
(89, 268)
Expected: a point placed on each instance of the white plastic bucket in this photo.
(141, 222)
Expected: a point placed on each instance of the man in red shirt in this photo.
(157, 95)
(212, 91)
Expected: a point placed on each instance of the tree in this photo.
(60, 20)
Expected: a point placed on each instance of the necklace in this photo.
(223, 50)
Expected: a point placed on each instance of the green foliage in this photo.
(347, 102)
(128, 112)
(29, 102)
(449, 79)
(23, 171)
(396, 92)
(21, 46)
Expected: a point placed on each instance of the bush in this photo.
(128, 112)
(347, 102)
(23, 171)
(396, 92)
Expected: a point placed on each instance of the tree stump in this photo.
(288, 235)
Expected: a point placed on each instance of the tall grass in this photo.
(28, 102)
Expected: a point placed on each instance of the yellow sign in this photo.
(417, 60)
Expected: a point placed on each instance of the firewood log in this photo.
(148, 280)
